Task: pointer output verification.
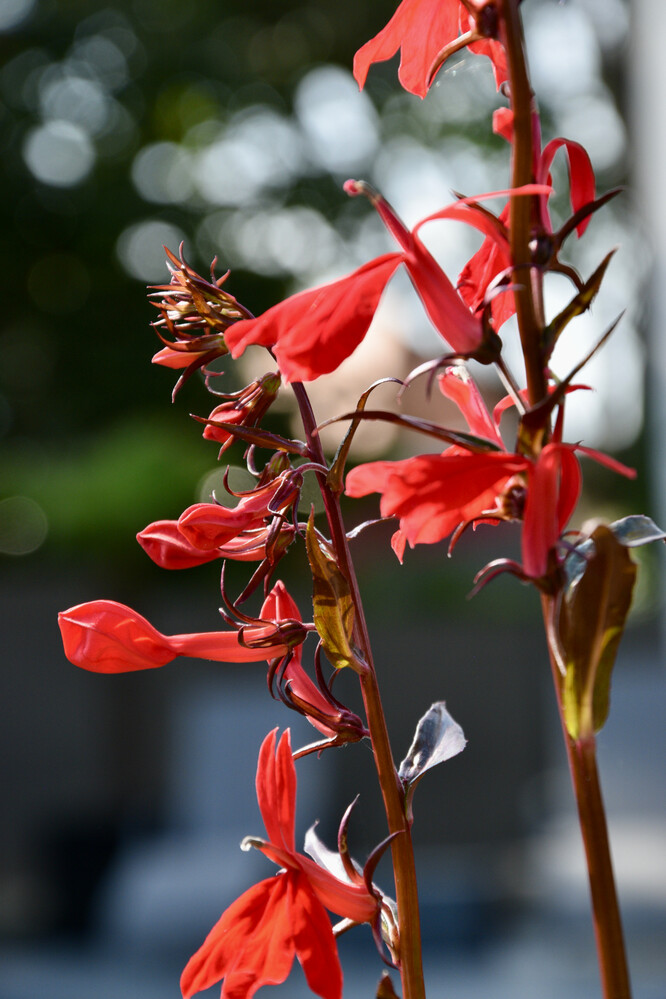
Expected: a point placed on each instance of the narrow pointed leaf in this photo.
(578, 304)
(335, 477)
(592, 619)
(458, 437)
(332, 601)
(257, 437)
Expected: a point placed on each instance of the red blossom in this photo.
(313, 332)
(426, 32)
(493, 258)
(256, 939)
(107, 637)
(435, 494)
(447, 312)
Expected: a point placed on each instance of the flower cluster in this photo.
(534, 480)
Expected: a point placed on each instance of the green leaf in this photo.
(332, 602)
(591, 623)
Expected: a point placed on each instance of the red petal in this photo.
(251, 945)
(276, 790)
(168, 548)
(432, 494)
(176, 358)
(420, 29)
(313, 332)
(314, 942)
(225, 647)
(553, 491)
(279, 605)
(208, 525)
(581, 175)
(107, 637)
(457, 385)
(495, 52)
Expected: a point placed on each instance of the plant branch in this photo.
(528, 292)
(404, 870)
(581, 754)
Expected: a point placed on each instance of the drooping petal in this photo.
(582, 183)
(490, 260)
(313, 332)
(250, 946)
(104, 636)
(420, 29)
(495, 52)
(554, 487)
(446, 310)
(314, 942)
(347, 900)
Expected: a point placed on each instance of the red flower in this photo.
(435, 494)
(107, 637)
(493, 258)
(256, 939)
(448, 313)
(313, 332)
(427, 32)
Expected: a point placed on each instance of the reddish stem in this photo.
(404, 869)
(581, 753)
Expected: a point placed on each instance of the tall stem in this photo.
(582, 757)
(528, 280)
(404, 870)
(529, 311)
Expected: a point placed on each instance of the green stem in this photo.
(404, 869)
(581, 753)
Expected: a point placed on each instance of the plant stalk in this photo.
(528, 280)
(609, 937)
(404, 869)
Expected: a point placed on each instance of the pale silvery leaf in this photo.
(632, 532)
(437, 738)
(636, 530)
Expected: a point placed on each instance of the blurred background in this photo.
(231, 126)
